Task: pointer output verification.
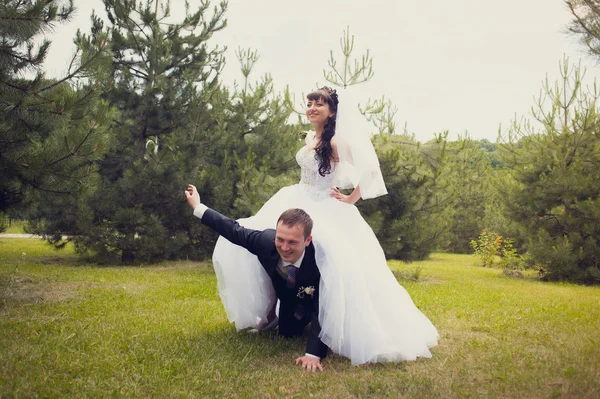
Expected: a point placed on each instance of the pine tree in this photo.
(265, 143)
(554, 190)
(473, 198)
(161, 82)
(586, 23)
(51, 130)
(255, 149)
(408, 221)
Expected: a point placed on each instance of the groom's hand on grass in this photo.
(192, 196)
(310, 363)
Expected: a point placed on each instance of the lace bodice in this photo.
(318, 186)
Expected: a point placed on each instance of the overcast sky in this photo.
(465, 66)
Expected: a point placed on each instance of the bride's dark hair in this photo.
(324, 152)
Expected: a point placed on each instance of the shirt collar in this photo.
(295, 264)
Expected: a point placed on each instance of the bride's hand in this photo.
(335, 193)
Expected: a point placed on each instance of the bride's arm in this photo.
(349, 199)
(335, 193)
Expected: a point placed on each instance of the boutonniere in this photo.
(310, 290)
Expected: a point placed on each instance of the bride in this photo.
(364, 313)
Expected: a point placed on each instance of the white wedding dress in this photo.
(364, 313)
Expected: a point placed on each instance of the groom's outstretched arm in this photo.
(253, 240)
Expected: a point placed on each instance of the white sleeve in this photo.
(199, 210)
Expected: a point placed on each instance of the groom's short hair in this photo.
(294, 217)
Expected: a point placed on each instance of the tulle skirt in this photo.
(364, 313)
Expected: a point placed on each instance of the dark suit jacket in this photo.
(294, 311)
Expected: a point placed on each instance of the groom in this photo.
(288, 257)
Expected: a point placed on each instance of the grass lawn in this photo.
(74, 330)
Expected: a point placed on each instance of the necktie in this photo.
(291, 276)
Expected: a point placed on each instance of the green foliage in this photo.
(51, 130)
(259, 152)
(553, 191)
(491, 153)
(381, 114)
(408, 220)
(350, 73)
(487, 247)
(471, 181)
(586, 23)
(509, 258)
(565, 259)
(173, 125)
(468, 181)
(161, 82)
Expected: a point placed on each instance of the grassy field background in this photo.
(75, 330)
